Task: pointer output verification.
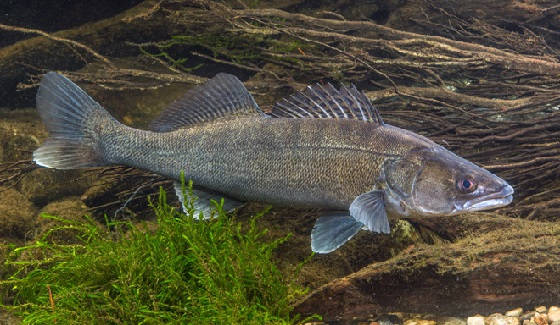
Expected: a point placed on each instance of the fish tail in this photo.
(72, 119)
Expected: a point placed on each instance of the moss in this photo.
(182, 271)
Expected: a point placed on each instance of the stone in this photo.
(451, 321)
(502, 320)
(553, 314)
(527, 316)
(68, 208)
(540, 319)
(419, 322)
(71, 209)
(21, 132)
(389, 319)
(17, 214)
(475, 320)
(44, 185)
(540, 309)
(517, 312)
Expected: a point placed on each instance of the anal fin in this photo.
(203, 204)
(332, 231)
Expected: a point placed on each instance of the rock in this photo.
(502, 320)
(527, 316)
(540, 319)
(389, 319)
(16, 213)
(540, 309)
(553, 314)
(44, 185)
(72, 209)
(419, 322)
(20, 133)
(452, 321)
(7, 318)
(476, 320)
(515, 312)
(101, 188)
(404, 233)
(529, 322)
(426, 322)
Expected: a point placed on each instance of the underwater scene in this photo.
(280, 162)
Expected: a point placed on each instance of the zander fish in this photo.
(323, 147)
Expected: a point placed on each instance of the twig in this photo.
(58, 39)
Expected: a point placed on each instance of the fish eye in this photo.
(466, 185)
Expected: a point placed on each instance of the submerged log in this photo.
(516, 264)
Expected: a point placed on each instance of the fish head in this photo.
(444, 184)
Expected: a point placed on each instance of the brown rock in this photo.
(44, 185)
(6, 318)
(540, 319)
(71, 209)
(20, 133)
(529, 322)
(16, 213)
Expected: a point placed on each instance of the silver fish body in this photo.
(324, 148)
(305, 162)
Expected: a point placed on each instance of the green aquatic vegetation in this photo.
(182, 271)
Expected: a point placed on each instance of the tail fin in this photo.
(71, 117)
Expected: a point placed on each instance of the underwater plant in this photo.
(184, 270)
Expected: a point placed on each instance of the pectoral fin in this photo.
(331, 232)
(369, 209)
(204, 204)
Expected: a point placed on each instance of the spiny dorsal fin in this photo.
(223, 95)
(320, 101)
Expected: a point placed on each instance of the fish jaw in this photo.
(491, 201)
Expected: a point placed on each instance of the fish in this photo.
(323, 147)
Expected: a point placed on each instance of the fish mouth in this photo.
(491, 201)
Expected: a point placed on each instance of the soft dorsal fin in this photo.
(319, 101)
(223, 95)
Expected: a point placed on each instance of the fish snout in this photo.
(496, 199)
